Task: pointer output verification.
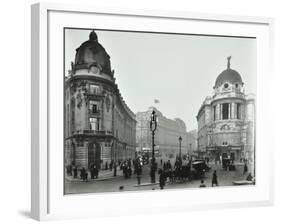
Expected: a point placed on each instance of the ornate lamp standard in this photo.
(153, 127)
(180, 139)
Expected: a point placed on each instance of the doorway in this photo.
(94, 154)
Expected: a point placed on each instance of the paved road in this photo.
(225, 178)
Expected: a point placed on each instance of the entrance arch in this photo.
(94, 154)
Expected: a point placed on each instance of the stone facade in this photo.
(99, 126)
(166, 136)
(226, 120)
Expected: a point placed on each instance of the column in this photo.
(232, 110)
(242, 111)
(220, 111)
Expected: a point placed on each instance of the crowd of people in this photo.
(181, 170)
(72, 170)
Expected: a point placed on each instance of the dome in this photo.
(228, 75)
(90, 53)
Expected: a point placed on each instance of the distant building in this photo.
(99, 126)
(226, 120)
(192, 141)
(166, 137)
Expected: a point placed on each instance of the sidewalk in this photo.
(103, 175)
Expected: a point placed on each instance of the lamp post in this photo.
(153, 127)
(180, 139)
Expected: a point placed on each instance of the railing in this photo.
(97, 112)
(229, 94)
(94, 92)
(97, 132)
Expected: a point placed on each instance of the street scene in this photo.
(157, 122)
(107, 182)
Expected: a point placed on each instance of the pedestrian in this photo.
(125, 170)
(115, 169)
(138, 172)
(215, 179)
(162, 179)
(169, 165)
(245, 169)
(249, 177)
(95, 172)
(129, 170)
(75, 172)
(84, 174)
(202, 184)
(92, 171)
(111, 165)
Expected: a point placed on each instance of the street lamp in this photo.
(180, 139)
(153, 127)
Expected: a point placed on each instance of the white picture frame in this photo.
(47, 198)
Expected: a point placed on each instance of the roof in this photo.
(229, 75)
(91, 52)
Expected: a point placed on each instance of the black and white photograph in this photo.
(151, 111)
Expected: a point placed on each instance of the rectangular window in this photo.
(94, 124)
(72, 121)
(93, 106)
(94, 89)
(214, 111)
(238, 111)
(225, 111)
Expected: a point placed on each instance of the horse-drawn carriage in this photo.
(199, 168)
(189, 171)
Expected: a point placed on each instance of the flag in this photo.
(156, 101)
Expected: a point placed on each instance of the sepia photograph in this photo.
(151, 111)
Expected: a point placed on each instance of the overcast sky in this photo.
(178, 70)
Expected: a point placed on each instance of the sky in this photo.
(178, 70)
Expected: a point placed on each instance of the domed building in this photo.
(226, 120)
(99, 126)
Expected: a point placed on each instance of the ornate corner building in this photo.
(99, 126)
(226, 120)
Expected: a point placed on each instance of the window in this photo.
(94, 89)
(214, 112)
(93, 106)
(236, 85)
(225, 85)
(225, 111)
(94, 124)
(238, 110)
